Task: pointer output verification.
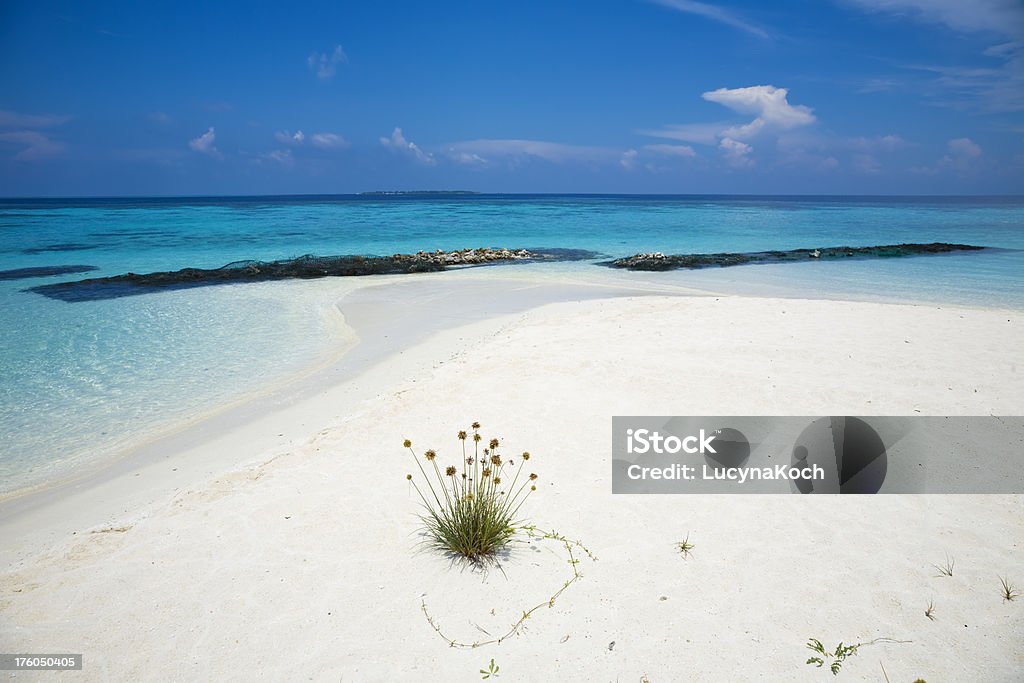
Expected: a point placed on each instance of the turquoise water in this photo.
(81, 378)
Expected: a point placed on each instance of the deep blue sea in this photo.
(80, 379)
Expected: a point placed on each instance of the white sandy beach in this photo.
(280, 542)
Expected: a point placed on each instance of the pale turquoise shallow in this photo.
(78, 377)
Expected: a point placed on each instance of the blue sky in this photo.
(637, 96)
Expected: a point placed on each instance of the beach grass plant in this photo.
(471, 509)
(1010, 591)
(684, 546)
(945, 569)
(930, 611)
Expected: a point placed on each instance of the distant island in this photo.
(417, 193)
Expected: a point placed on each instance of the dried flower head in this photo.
(533, 488)
(486, 472)
(494, 443)
(497, 480)
(450, 471)
(463, 475)
(533, 477)
(408, 477)
(476, 437)
(496, 460)
(462, 435)
(526, 455)
(407, 443)
(475, 425)
(430, 455)
(469, 461)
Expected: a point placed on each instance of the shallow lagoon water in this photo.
(81, 380)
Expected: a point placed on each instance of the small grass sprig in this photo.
(467, 509)
(1010, 591)
(947, 568)
(684, 546)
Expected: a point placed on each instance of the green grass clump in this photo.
(468, 508)
(1010, 591)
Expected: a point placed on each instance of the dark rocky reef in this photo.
(659, 261)
(304, 267)
(43, 271)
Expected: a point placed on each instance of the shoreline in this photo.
(193, 427)
(139, 471)
(314, 533)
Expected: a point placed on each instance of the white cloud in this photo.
(714, 14)
(964, 148)
(467, 158)
(1005, 17)
(963, 157)
(672, 150)
(768, 103)
(773, 114)
(628, 160)
(737, 153)
(205, 144)
(12, 119)
(701, 133)
(282, 156)
(36, 145)
(325, 64)
(328, 141)
(288, 138)
(556, 152)
(397, 143)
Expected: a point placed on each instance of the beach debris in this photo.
(660, 261)
(304, 268)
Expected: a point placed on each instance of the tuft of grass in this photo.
(1009, 590)
(947, 568)
(468, 510)
(684, 546)
(930, 612)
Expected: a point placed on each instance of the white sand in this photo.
(304, 564)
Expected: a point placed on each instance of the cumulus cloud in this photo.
(736, 153)
(204, 144)
(772, 111)
(328, 141)
(769, 105)
(963, 157)
(398, 144)
(325, 64)
(714, 13)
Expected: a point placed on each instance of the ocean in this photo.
(81, 380)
